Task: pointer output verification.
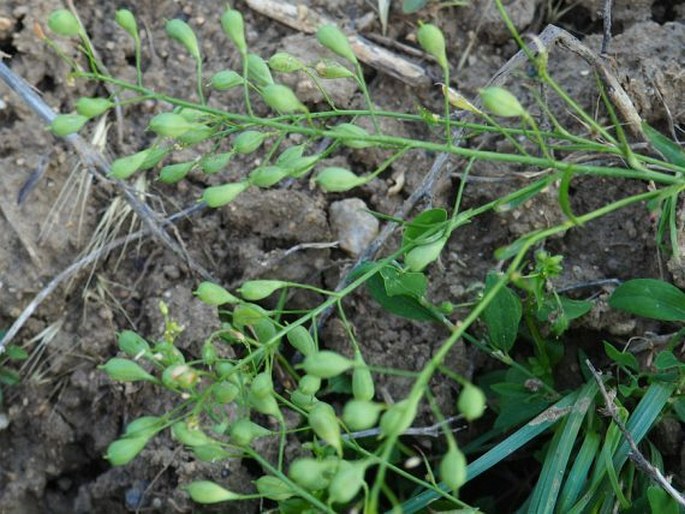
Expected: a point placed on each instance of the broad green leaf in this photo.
(660, 502)
(650, 298)
(666, 360)
(401, 305)
(623, 359)
(671, 151)
(424, 222)
(502, 315)
(398, 282)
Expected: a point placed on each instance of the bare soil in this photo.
(66, 412)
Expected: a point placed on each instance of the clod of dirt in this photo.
(353, 225)
(485, 14)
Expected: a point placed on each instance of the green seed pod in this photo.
(206, 492)
(329, 69)
(248, 141)
(211, 452)
(167, 354)
(262, 385)
(180, 31)
(127, 21)
(347, 481)
(180, 376)
(258, 71)
(283, 62)
(225, 80)
(501, 102)
(244, 431)
(421, 256)
(336, 180)
(432, 41)
(309, 384)
(326, 364)
(361, 414)
(300, 339)
(211, 164)
(91, 107)
(124, 370)
(132, 344)
(267, 176)
(122, 451)
(172, 173)
(332, 38)
(273, 488)
(290, 156)
(62, 22)
(189, 436)
(259, 289)
(196, 134)
(234, 28)
(303, 400)
(124, 167)
(216, 196)
(324, 422)
(154, 156)
(248, 314)
(65, 124)
(209, 354)
(302, 166)
(225, 392)
(214, 294)
(362, 382)
(264, 330)
(266, 405)
(282, 99)
(145, 426)
(347, 130)
(453, 468)
(398, 418)
(471, 402)
(170, 124)
(312, 474)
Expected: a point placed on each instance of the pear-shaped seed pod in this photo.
(332, 38)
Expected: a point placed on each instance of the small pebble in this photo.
(354, 227)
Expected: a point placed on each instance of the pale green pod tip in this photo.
(282, 99)
(127, 21)
(336, 180)
(253, 290)
(206, 492)
(501, 102)
(432, 41)
(214, 294)
(64, 124)
(124, 450)
(180, 31)
(225, 80)
(284, 62)
(234, 27)
(91, 107)
(332, 38)
(217, 196)
(64, 23)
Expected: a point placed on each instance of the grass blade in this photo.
(578, 475)
(546, 491)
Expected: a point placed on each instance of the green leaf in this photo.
(679, 408)
(660, 502)
(502, 315)
(666, 360)
(624, 359)
(671, 151)
(397, 282)
(412, 6)
(15, 353)
(401, 305)
(650, 298)
(9, 376)
(424, 222)
(560, 311)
